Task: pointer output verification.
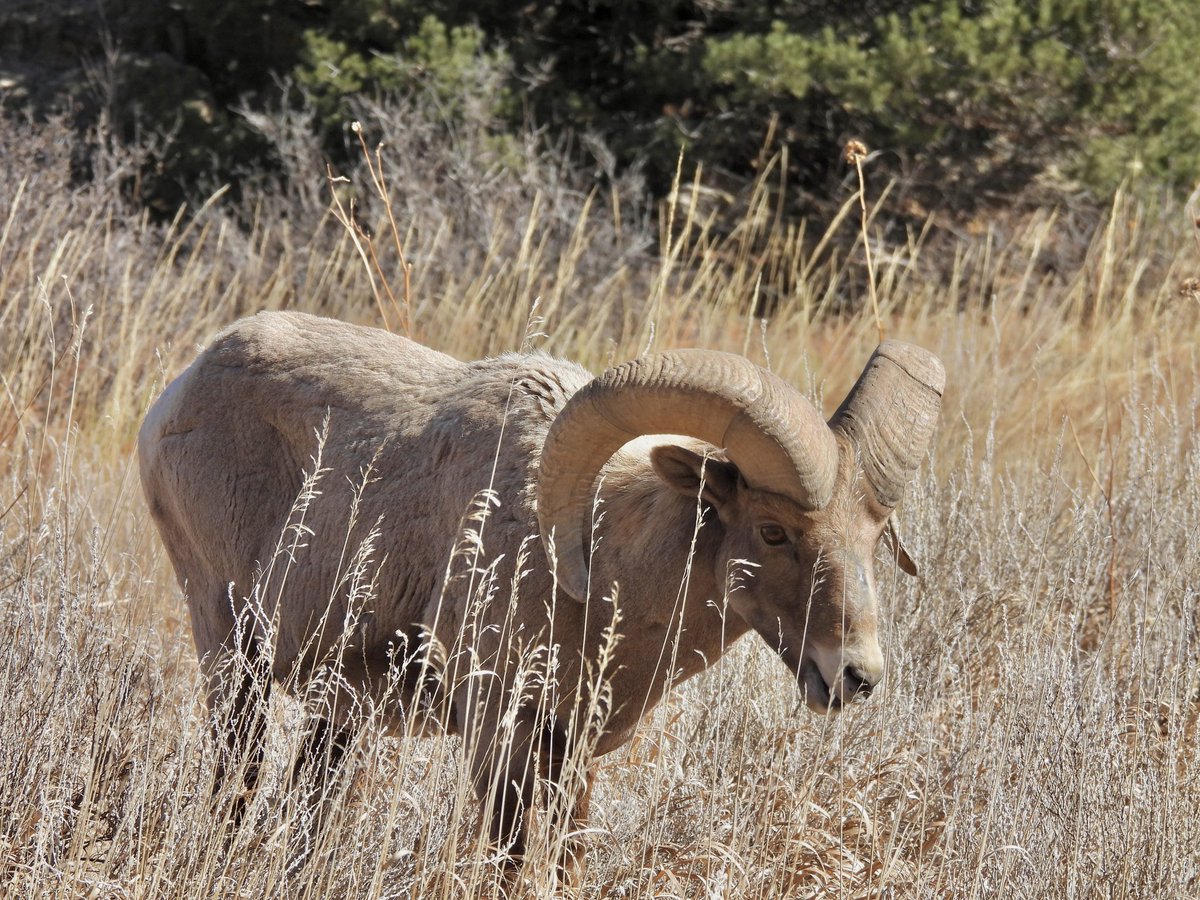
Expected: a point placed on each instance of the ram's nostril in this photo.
(856, 682)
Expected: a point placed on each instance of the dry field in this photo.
(1036, 735)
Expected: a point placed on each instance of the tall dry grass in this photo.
(1036, 735)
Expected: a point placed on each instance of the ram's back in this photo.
(225, 451)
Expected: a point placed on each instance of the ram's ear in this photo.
(691, 473)
(891, 537)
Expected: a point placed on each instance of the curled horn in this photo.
(890, 415)
(774, 435)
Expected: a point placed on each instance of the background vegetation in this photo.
(1036, 734)
(972, 105)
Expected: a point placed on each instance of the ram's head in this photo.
(802, 503)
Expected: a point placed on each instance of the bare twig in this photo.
(377, 178)
(357, 235)
(1106, 492)
(856, 152)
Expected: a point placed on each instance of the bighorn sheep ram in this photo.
(762, 516)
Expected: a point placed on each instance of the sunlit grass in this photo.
(1036, 734)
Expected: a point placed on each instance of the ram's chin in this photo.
(816, 692)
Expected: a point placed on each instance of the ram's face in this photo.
(804, 580)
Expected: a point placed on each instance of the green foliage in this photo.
(967, 101)
(447, 64)
(986, 97)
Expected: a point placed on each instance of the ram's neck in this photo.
(662, 561)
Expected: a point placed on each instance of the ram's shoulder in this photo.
(534, 379)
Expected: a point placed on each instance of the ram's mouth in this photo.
(816, 692)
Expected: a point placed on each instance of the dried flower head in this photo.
(1190, 288)
(855, 152)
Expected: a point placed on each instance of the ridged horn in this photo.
(891, 413)
(775, 436)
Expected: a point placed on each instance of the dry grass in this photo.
(1036, 735)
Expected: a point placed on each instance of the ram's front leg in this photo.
(535, 766)
(566, 780)
(569, 817)
(504, 777)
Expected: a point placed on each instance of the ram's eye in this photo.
(773, 535)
